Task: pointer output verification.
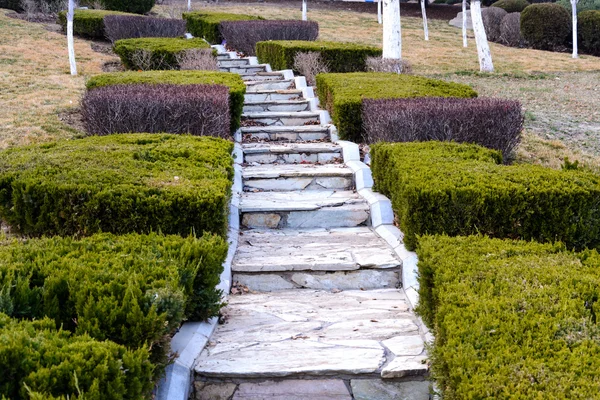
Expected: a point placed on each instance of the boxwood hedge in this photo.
(162, 51)
(339, 57)
(119, 184)
(511, 319)
(39, 361)
(342, 94)
(236, 85)
(462, 189)
(206, 25)
(88, 23)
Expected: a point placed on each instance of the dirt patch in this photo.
(102, 47)
(113, 66)
(72, 118)
(37, 18)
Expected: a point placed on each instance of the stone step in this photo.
(263, 76)
(259, 86)
(303, 210)
(288, 177)
(309, 334)
(285, 133)
(244, 69)
(270, 118)
(227, 62)
(277, 106)
(273, 95)
(225, 58)
(339, 249)
(291, 153)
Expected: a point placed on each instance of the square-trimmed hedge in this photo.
(339, 57)
(88, 23)
(118, 183)
(511, 319)
(164, 51)
(36, 354)
(236, 85)
(462, 189)
(206, 25)
(342, 94)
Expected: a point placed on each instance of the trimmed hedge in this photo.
(206, 25)
(88, 23)
(131, 6)
(342, 94)
(11, 5)
(546, 26)
(119, 27)
(236, 85)
(511, 6)
(510, 319)
(460, 189)
(339, 57)
(589, 31)
(53, 363)
(119, 183)
(162, 51)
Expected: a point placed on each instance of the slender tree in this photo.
(483, 47)
(392, 31)
(379, 12)
(304, 11)
(70, 42)
(574, 11)
(425, 27)
(464, 22)
(189, 5)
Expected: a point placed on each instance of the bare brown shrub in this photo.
(197, 59)
(378, 64)
(310, 64)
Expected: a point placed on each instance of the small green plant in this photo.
(570, 166)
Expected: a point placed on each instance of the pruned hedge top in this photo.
(206, 25)
(163, 51)
(237, 89)
(342, 94)
(88, 23)
(339, 57)
(119, 27)
(118, 183)
(511, 320)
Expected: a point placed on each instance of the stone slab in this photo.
(376, 389)
(405, 345)
(277, 148)
(403, 366)
(363, 279)
(263, 282)
(213, 391)
(299, 201)
(314, 389)
(290, 171)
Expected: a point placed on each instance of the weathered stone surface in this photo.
(458, 20)
(264, 220)
(369, 329)
(252, 148)
(314, 389)
(403, 366)
(349, 280)
(326, 217)
(291, 171)
(299, 201)
(272, 95)
(271, 118)
(213, 391)
(405, 345)
(376, 389)
(253, 86)
(263, 283)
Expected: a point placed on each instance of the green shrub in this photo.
(131, 6)
(87, 23)
(511, 6)
(511, 319)
(589, 32)
(161, 52)
(339, 57)
(583, 5)
(546, 26)
(117, 183)
(236, 85)
(460, 189)
(342, 94)
(205, 25)
(52, 363)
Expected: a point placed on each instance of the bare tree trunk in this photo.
(574, 11)
(379, 12)
(70, 42)
(304, 11)
(189, 5)
(483, 47)
(464, 22)
(392, 31)
(425, 28)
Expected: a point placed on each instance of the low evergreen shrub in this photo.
(342, 94)
(582, 5)
(236, 85)
(87, 23)
(546, 26)
(339, 57)
(511, 6)
(154, 53)
(461, 189)
(244, 35)
(492, 123)
(119, 27)
(589, 32)
(51, 362)
(206, 25)
(119, 183)
(200, 110)
(511, 319)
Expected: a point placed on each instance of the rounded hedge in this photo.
(132, 6)
(492, 17)
(589, 32)
(510, 30)
(511, 6)
(546, 26)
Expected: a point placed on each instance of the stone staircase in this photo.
(317, 310)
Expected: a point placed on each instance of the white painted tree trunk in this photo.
(379, 12)
(464, 22)
(189, 5)
(483, 47)
(425, 28)
(574, 10)
(304, 11)
(392, 34)
(70, 42)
